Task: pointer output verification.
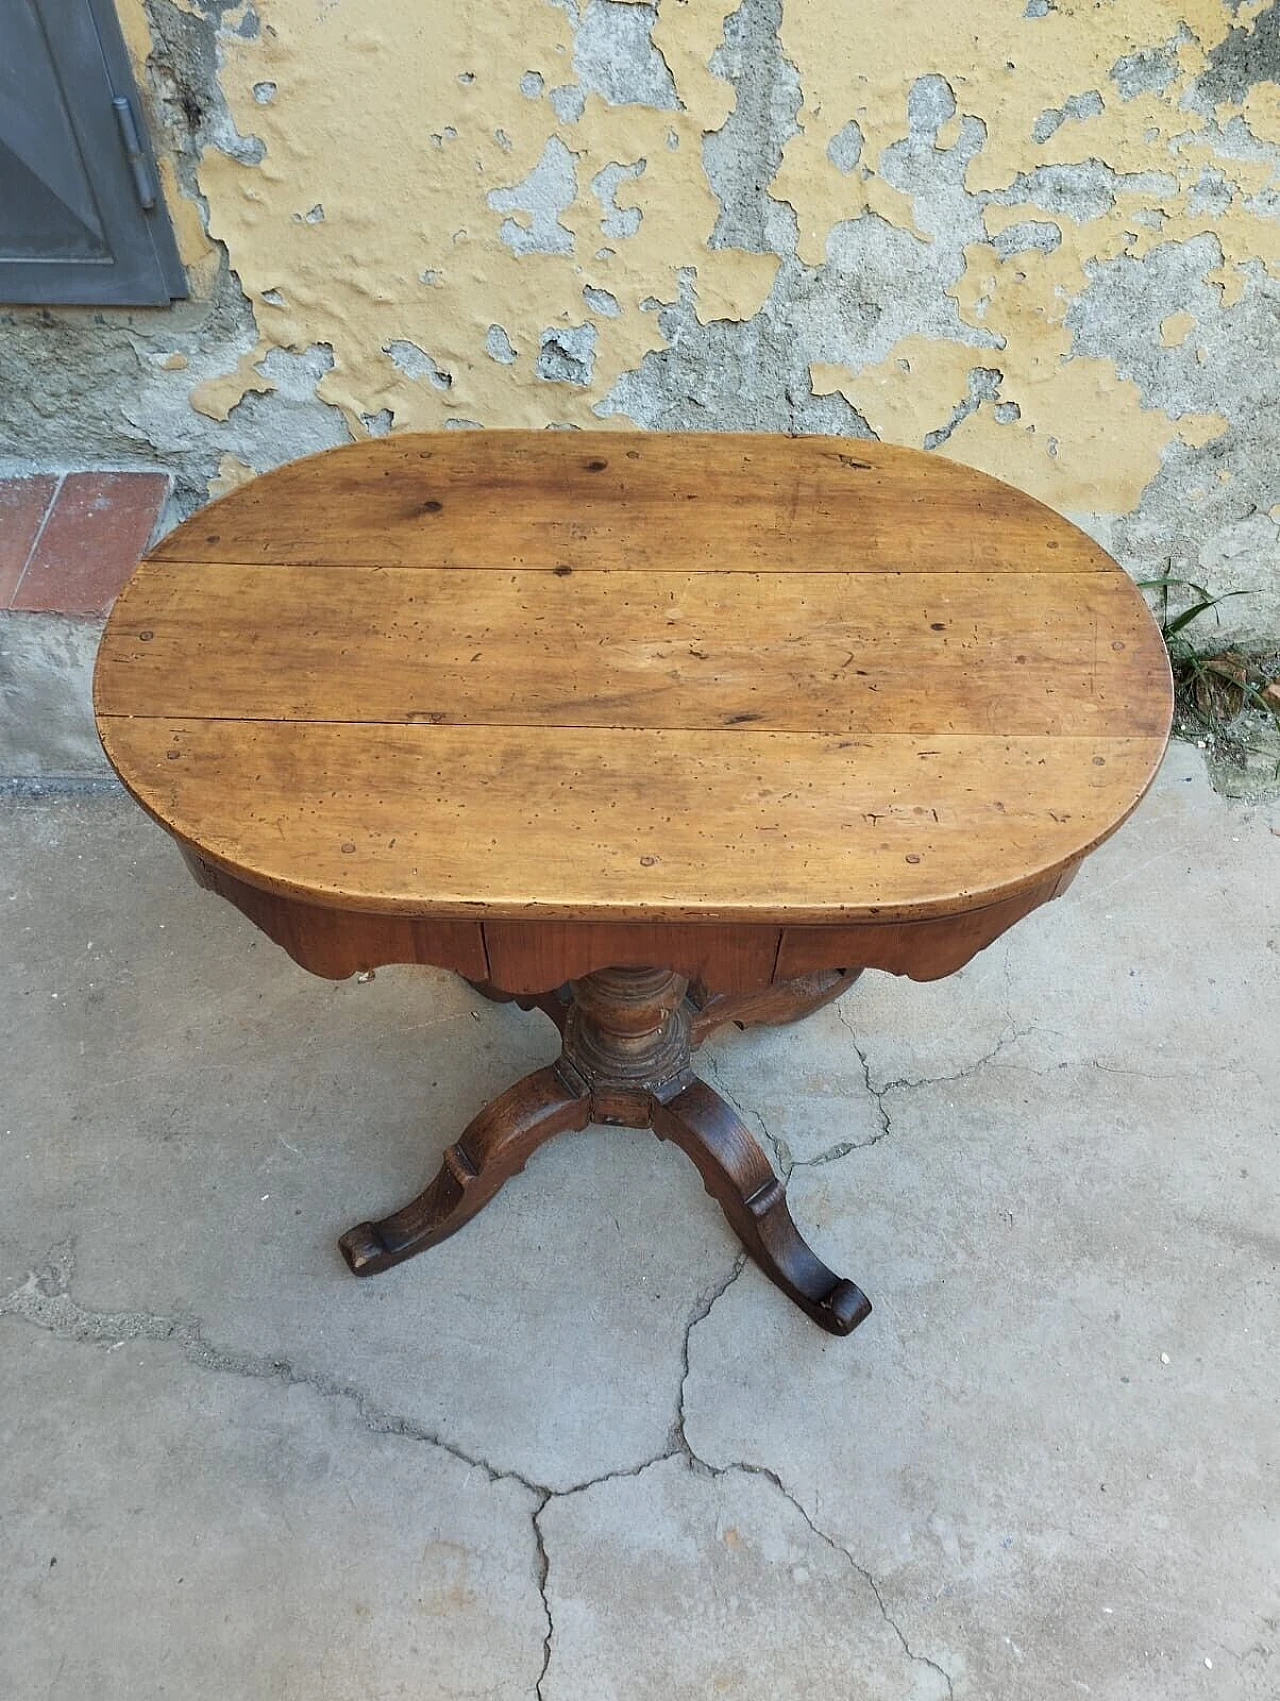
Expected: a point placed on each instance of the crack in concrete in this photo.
(1009, 1037)
(44, 1300)
(876, 1093)
(839, 1548)
(684, 1446)
(544, 1571)
(783, 1160)
(679, 1437)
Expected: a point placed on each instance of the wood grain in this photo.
(531, 956)
(650, 502)
(335, 943)
(912, 653)
(628, 824)
(626, 680)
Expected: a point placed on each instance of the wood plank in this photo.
(649, 502)
(920, 653)
(597, 824)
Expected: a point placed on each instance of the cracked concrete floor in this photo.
(583, 1450)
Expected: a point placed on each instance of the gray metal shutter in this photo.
(82, 220)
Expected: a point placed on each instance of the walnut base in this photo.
(626, 1039)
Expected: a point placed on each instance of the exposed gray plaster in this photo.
(541, 196)
(1082, 191)
(934, 177)
(415, 362)
(183, 95)
(1207, 514)
(567, 354)
(567, 102)
(1147, 70)
(1028, 234)
(1247, 56)
(618, 222)
(498, 346)
(742, 158)
(983, 385)
(1076, 107)
(844, 150)
(614, 55)
(601, 301)
(1212, 193)
(878, 284)
(931, 102)
(84, 389)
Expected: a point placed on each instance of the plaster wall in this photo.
(1037, 235)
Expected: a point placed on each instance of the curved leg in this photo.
(739, 1177)
(784, 1001)
(495, 1146)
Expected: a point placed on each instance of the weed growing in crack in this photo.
(1223, 698)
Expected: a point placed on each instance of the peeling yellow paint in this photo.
(1176, 329)
(1197, 429)
(232, 472)
(899, 399)
(216, 397)
(398, 137)
(370, 216)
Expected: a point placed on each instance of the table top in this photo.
(629, 676)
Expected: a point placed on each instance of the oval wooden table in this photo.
(651, 732)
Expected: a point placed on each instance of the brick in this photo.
(23, 503)
(99, 526)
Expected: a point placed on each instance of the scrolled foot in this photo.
(495, 1146)
(738, 1176)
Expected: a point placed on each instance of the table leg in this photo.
(626, 1036)
(738, 1176)
(495, 1146)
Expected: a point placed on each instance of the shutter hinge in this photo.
(143, 183)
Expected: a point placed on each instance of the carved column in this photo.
(626, 1041)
